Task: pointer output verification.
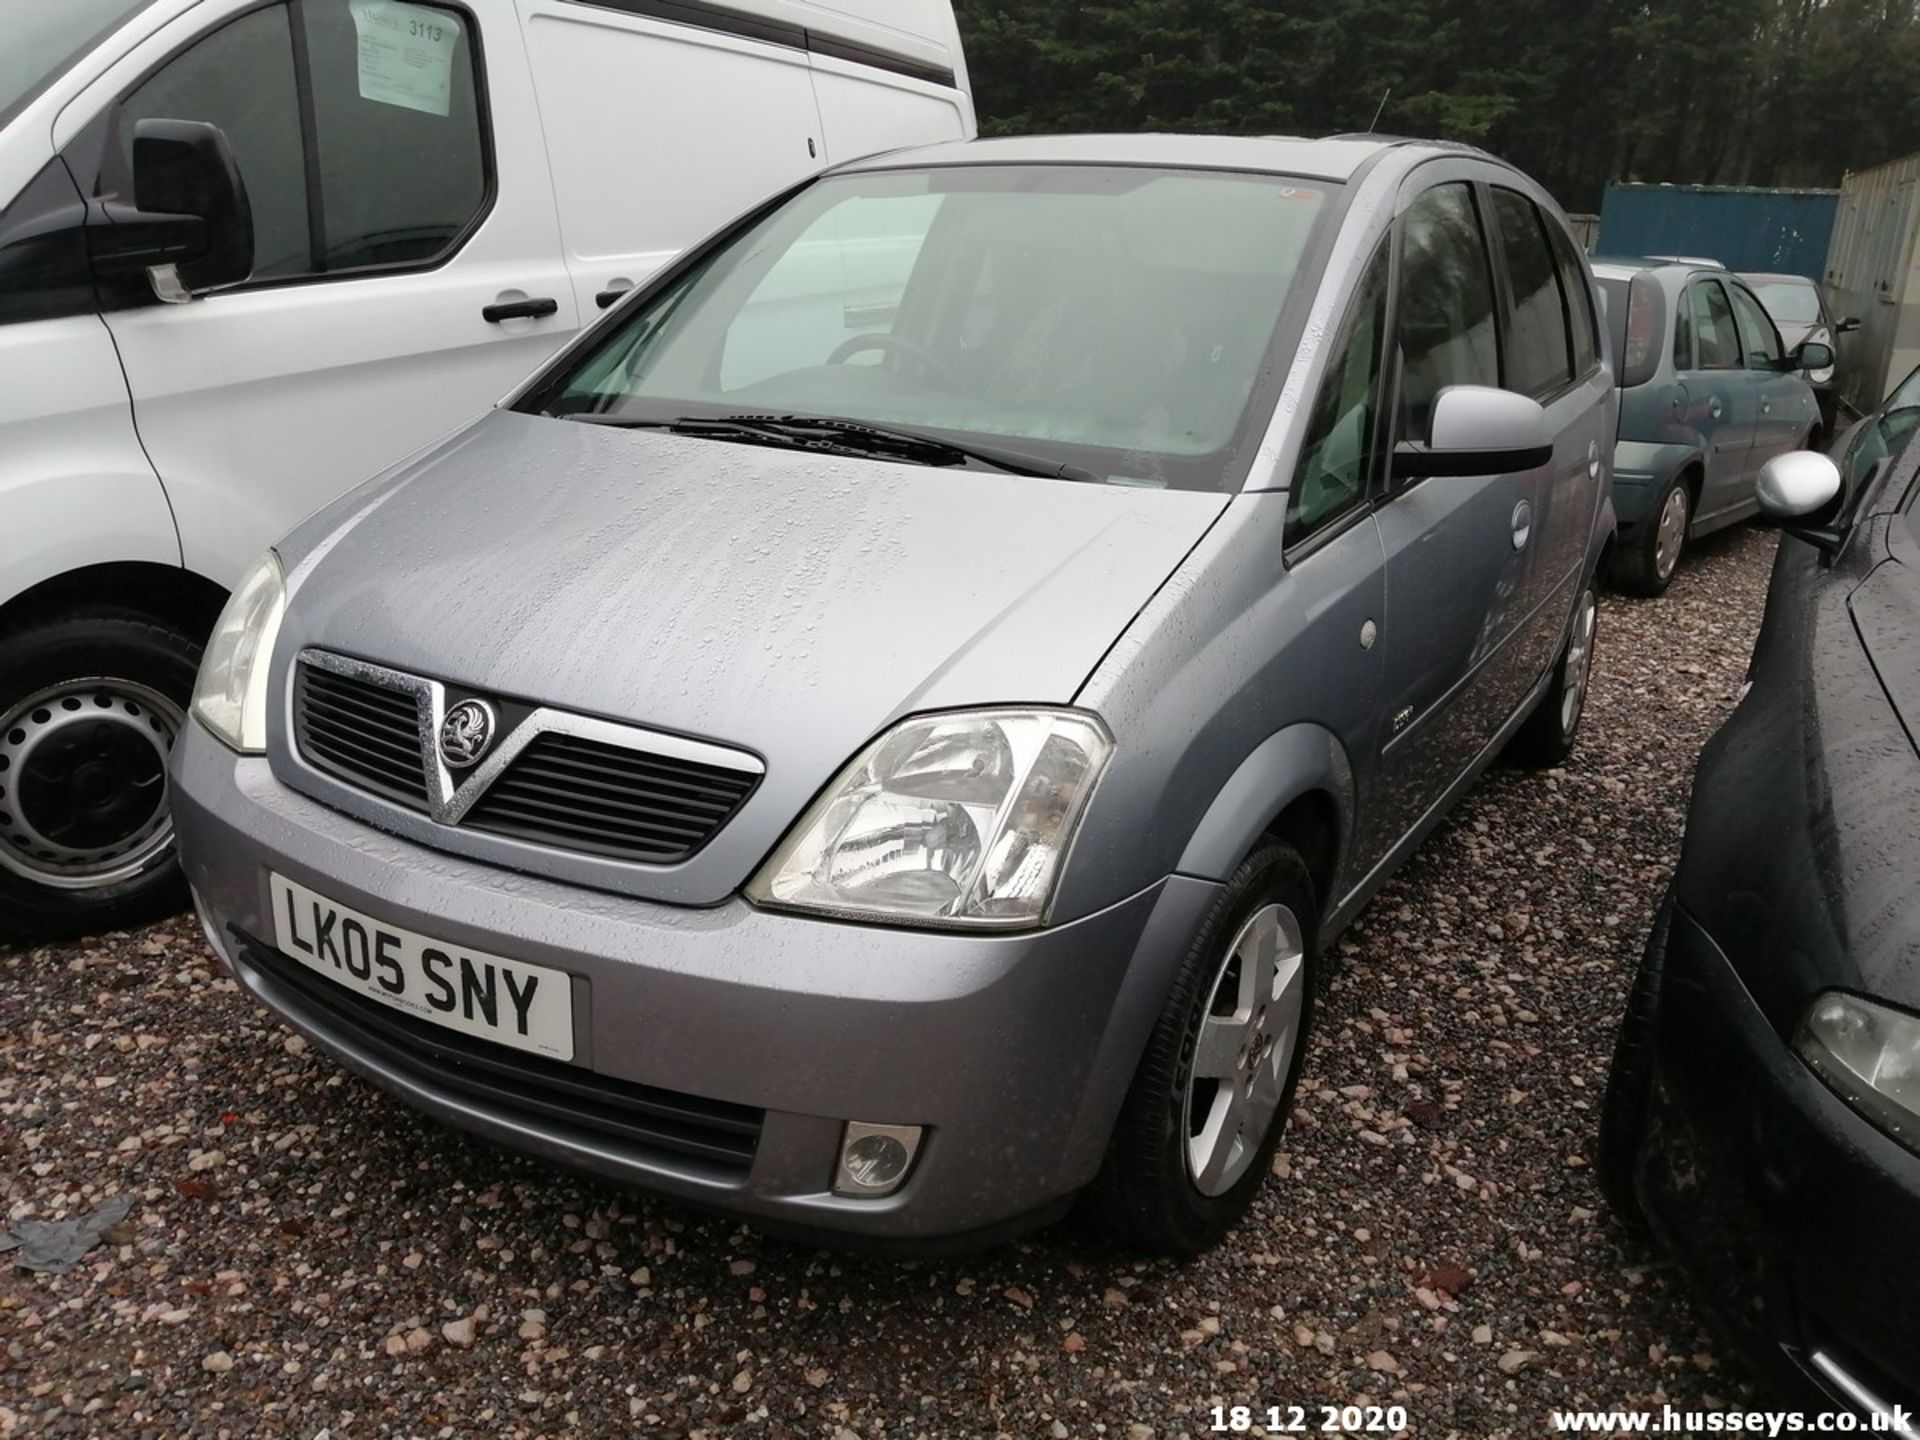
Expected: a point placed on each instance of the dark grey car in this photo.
(879, 735)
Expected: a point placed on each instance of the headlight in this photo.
(1870, 1054)
(230, 696)
(958, 819)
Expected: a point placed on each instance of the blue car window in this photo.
(1714, 330)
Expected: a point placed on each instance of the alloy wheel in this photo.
(1245, 1049)
(1579, 662)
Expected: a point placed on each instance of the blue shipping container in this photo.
(1741, 227)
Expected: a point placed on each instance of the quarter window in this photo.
(1683, 337)
(1757, 335)
(1336, 464)
(1713, 326)
(1539, 361)
(1446, 328)
(387, 166)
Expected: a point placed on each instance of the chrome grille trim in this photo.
(680, 764)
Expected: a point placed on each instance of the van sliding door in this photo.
(659, 132)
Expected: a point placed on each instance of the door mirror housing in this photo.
(189, 226)
(1477, 430)
(1813, 355)
(1801, 492)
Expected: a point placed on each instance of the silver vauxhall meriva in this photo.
(879, 734)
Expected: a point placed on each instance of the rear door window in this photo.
(1582, 329)
(1539, 355)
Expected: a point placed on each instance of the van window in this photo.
(1446, 323)
(1539, 360)
(44, 37)
(1336, 459)
(241, 78)
(399, 156)
(403, 163)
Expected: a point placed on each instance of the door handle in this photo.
(615, 289)
(1593, 460)
(520, 310)
(1522, 525)
(1714, 407)
(1766, 407)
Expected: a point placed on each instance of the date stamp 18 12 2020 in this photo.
(1309, 1419)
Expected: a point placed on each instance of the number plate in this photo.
(509, 1002)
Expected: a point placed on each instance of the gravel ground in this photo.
(306, 1255)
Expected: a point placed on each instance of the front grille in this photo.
(580, 794)
(361, 731)
(512, 1084)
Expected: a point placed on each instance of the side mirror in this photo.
(1800, 492)
(190, 226)
(1847, 326)
(1813, 355)
(1477, 430)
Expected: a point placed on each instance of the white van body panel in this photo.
(864, 111)
(617, 141)
(260, 405)
(75, 488)
(637, 110)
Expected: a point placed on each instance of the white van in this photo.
(253, 251)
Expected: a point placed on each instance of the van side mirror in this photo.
(1477, 430)
(1813, 355)
(190, 226)
(1801, 493)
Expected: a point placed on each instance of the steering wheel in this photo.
(881, 340)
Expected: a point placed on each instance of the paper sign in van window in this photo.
(406, 54)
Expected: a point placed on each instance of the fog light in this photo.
(874, 1159)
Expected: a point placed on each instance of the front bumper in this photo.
(1793, 1217)
(1015, 1051)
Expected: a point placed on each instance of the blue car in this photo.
(1708, 394)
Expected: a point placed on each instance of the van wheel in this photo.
(93, 702)
(1546, 737)
(1646, 566)
(1197, 1133)
(1623, 1113)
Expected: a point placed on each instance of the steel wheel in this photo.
(1244, 1051)
(1671, 537)
(83, 782)
(1578, 662)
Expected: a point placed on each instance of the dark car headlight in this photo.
(1870, 1055)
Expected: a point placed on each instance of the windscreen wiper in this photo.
(853, 437)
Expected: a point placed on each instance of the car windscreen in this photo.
(1117, 319)
(1790, 304)
(43, 37)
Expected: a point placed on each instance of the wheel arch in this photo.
(167, 592)
(1296, 785)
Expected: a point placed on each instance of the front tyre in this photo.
(92, 703)
(1209, 1102)
(1546, 737)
